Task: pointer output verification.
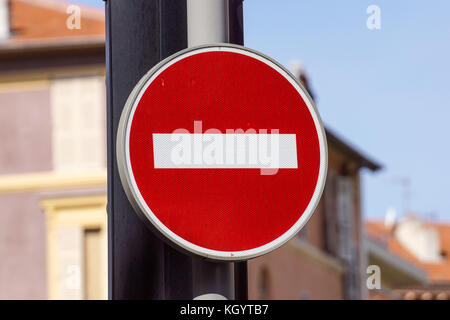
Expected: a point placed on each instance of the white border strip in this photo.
(238, 151)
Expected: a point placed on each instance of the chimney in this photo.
(390, 217)
(4, 20)
(420, 240)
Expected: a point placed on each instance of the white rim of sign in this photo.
(129, 182)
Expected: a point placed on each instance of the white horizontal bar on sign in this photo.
(230, 150)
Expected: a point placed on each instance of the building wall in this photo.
(30, 259)
(25, 135)
(293, 272)
(28, 176)
(22, 247)
(25, 128)
(313, 265)
(343, 198)
(315, 228)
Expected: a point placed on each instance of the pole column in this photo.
(236, 36)
(139, 34)
(216, 21)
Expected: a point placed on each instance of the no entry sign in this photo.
(222, 151)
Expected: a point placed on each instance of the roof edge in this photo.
(373, 247)
(344, 146)
(89, 12)
(51, 44)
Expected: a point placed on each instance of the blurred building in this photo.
(53, 177)
(326, 260)
(52, 151)
(413, 256)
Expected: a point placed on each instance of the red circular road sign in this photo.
(222, 151)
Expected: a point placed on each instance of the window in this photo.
(263, 285)
(78, 139)
(76, 247)
(347, 248)
(345, 215)
(94, 247)
(331, 221)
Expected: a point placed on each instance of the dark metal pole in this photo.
(139, 34)
(240, 281)
(236, 21)
(210, 277)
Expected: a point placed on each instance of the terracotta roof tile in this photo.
(44, 19)
(437, 272)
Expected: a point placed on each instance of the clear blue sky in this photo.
(385, 91)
